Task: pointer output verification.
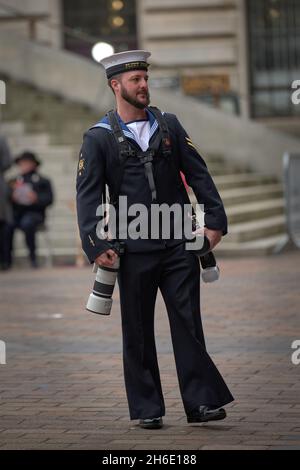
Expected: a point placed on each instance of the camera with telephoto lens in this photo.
(210, 269)
(100, 300)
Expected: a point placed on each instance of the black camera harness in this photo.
(146, 157)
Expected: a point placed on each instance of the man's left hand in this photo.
(214, 236)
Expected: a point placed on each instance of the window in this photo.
(274, 41)
(111, 21)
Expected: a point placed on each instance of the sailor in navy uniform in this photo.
(136, 151)
(31, 194)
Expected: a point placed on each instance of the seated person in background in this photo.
(30, 195)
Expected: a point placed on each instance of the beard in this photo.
(133, 101)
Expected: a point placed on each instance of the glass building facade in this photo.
(274, 61)
(88, 21)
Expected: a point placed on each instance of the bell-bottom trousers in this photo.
(176, 272)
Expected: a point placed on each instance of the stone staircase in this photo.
(254, 203)
(53, 129)
(255, 209)
(62, 120)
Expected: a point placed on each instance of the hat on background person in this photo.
(125, 62)
(30, 156)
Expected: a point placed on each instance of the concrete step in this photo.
(212, 157)
(59, 230)
(70, 228)
(259, 247)
(57, 152)
(63, 255)
(28, 141)
(62, 240)
(13, 128)
(63, 208)
(64, 181)
(64, 192)
(251, 193)
(220, 169)
(241, 180)
(55, 169)
(61, 214)
(249, 231)
(63, 184)
(66, 224)
(42, 249)
(254, 210)
(49, 154)
(64, 204)
(37, 108)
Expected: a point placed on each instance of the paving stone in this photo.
(63, 386)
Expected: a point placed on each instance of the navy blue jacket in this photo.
(99, 164)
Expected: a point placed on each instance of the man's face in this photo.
(133, 88)
(26, 166)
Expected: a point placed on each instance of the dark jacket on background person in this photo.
(42, 186)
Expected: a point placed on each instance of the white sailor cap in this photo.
(125, 62)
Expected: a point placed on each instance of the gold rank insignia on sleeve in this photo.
(190, 143)
(91, 241)
(80, 166)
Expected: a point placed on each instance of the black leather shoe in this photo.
(151, 423)
(203, 413)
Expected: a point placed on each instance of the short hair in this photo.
(114, 77)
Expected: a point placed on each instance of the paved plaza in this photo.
(62, 385)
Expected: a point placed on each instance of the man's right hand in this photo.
(108, 258)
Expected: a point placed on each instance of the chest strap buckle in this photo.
(146, 157)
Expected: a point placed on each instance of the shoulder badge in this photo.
(81, 165)
(190, 143)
